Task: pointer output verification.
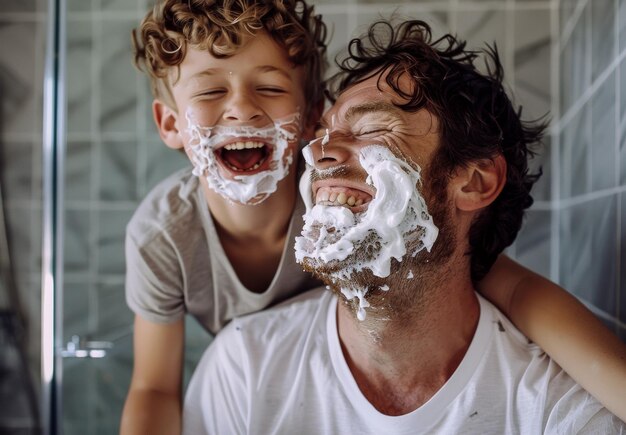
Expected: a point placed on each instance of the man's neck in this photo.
(399, 364)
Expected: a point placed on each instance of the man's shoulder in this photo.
(535, 385)
(290, 320)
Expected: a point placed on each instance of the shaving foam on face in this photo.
(396, 218)
(244, 189)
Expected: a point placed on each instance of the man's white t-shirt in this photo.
(282, 371)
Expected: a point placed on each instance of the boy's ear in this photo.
(315, 113)
(166, 120)
(479, 184)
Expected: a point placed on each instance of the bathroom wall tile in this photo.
(22, 243)
(588, 266)
(161, 163)
(532, 62)
(16, 170)
(483, 27)
(79, 5)
(79, 76)
(115, 319)
(603, 136)
(113, 374)
(566, 9)
(602, 35)
(77, 228)
(622, 154)
(532, 246)
(621, 23)
(78, 390)
(19, 5)
(78, 170)
(118, 171)
(118, 78)
(111, 241)
(622, 128)
(18, 75)
(76, 315)
(575, 139)
(118, 5)
(574, 63)
(338, 34)
(621, 295)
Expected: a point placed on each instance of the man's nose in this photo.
(242, 107)
(330, 150)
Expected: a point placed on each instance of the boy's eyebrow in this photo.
(261, 69)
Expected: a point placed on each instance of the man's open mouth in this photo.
(354, 199)
(244, 156)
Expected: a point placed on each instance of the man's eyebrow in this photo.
(375, 106)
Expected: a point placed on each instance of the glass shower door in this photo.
(112, 157)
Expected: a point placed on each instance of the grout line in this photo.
(591, 196)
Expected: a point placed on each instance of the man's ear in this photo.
(166, 120)
(480, 183)
(315, 113)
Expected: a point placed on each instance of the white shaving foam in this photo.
(244, 189)
(398, 216)
(409, 275)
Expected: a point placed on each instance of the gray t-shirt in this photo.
(176, 264)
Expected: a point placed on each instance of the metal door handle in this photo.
(88, 349)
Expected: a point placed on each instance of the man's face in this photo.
(369, 218)
(240, 118)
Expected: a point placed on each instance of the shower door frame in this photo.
(53, 162)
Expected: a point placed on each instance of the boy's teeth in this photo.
(351, 201)
(342, 198)
(358, 202)
(243, 145)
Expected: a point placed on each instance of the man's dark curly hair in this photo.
(477, 120)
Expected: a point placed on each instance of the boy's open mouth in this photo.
(244, 156)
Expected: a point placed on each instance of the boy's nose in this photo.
(241, 107)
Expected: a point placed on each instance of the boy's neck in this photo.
(268, 220)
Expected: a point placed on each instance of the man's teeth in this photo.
(334, 198)
(243, 145)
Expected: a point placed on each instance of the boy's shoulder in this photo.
(170, 204)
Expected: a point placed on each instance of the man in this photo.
(419, 181)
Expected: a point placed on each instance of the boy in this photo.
(218, 243)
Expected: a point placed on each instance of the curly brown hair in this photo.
(477, 119)
(221, 27)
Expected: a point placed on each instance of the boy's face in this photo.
(239, 118)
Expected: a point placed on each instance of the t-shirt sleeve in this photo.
(154, 283)
(578, 412)
(216, 398)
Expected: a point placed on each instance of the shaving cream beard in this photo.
(341, 244)
(240, 188)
